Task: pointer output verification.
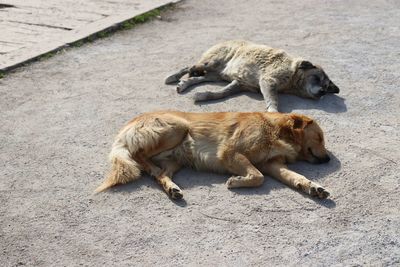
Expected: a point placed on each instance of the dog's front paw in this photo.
(202, 96)
(175, 193)
(233, 182)
(171, 79)
(318, 191)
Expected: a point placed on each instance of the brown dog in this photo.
(243, 144)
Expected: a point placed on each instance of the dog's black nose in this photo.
(324, 159)
(332, 88)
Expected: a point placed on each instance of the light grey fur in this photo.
(256, 68)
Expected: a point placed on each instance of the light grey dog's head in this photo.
(313, 81)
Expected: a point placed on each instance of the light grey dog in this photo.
(256, 68)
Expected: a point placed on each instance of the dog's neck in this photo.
(297, 77)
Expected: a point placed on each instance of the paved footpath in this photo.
(58, 119)
(30, 28)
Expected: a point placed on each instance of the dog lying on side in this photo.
(243, 144)
(256, 68)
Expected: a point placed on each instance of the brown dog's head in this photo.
(309, 136)
(312, 81)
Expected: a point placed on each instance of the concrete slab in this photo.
(34, 27)
(58, 119)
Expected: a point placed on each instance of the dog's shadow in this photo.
(188, 178)
(329, 103)
(216, 87)
(287, 103)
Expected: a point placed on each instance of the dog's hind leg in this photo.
(174, 78)
(202, 68)
(169, 167)
(248, 174)
(197, 70)
(230, 89)
(163, 175)
(281, 172)
(124, 168)
(185, 84)
(147, 136)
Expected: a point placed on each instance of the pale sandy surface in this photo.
(58, 119)
(31, 28)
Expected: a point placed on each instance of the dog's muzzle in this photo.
(323, 160)
(319, 160)
(332, 88)
(321, 93)
(316, 92)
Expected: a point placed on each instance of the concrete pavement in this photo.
(30, 28)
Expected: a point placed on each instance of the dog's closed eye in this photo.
(320, 138)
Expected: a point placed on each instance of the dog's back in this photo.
(222, 52)
(245, 61)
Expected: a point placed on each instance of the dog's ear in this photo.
(306, 65)
(300, 122)
(294, 127)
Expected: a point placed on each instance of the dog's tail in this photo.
(124, 168)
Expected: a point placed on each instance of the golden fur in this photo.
(243, 144)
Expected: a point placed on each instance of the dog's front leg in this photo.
(248, 175)
(269, 90)
(281, 172)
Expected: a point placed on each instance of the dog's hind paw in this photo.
(181, 87)
(172, 79)
(318, 191)
(175, 193)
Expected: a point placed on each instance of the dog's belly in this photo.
(198, 154)
(245, 72)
